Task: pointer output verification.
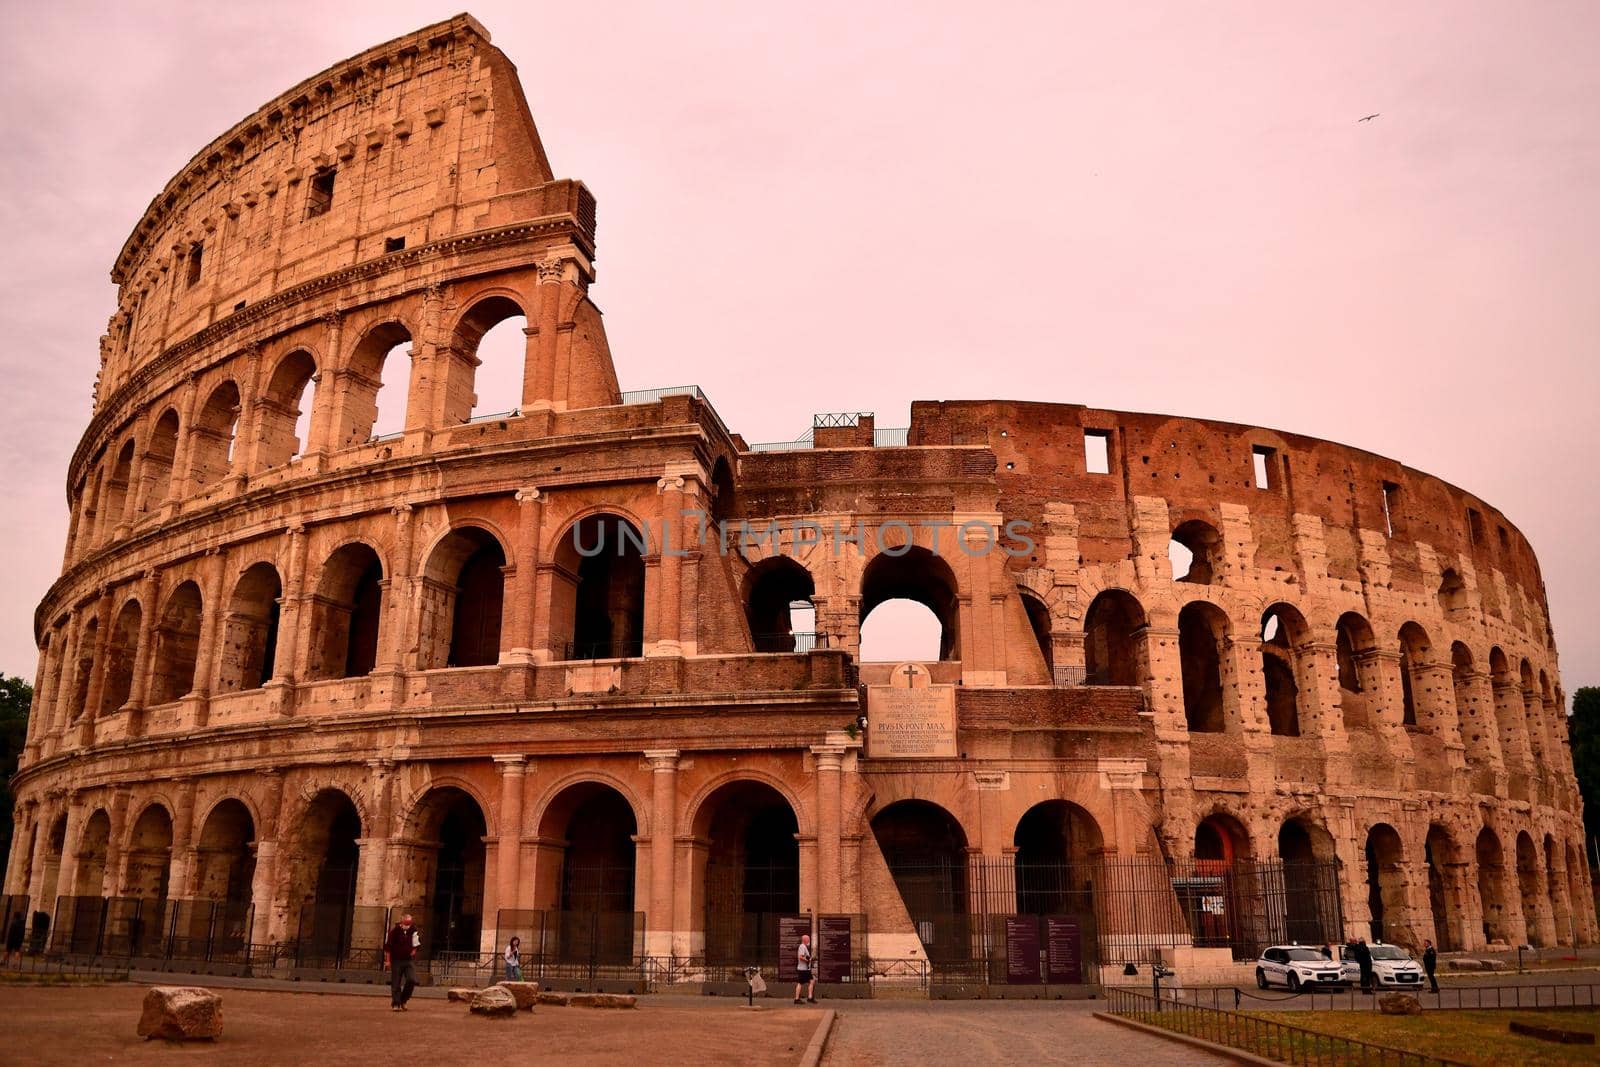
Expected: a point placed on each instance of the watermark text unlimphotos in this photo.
(974, 537)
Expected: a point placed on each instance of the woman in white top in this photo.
(513, 958)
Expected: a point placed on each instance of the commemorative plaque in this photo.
(833, 948)
(1022, 948)
(911, 718)
(1063, 949)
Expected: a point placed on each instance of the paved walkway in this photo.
(886, 1033)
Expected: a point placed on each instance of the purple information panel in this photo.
(1022, 948)
(833, 948)
(1063, 949)
(790, 927)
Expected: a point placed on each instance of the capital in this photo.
(552, 271)
(662, 760)
(673, 484)
(511, 764)
(530, 495)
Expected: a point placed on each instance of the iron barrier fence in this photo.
(1473, 997)
(1269, 1038)
(110, 926)
(577, 945)
(14, 909)
(214, 931)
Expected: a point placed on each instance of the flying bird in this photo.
(1370, 117)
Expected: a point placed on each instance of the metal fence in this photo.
(574, 945)
(1473, 997)
(1269, 1038)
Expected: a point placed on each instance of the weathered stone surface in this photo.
(181, 1013)
(555, 999)
(494, 1002)
(462, 993)
(1399, 1004)
(526, 993)
(604, 1000)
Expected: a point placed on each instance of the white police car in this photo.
(1392, 966)
(1296, 967)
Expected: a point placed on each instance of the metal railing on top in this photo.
(650, 396)
(795, 641)
(1269, 1038)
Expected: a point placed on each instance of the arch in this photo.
(148, 874)
(1222, 873)
(347, 614)
(225, 858)
(250, 630)
(284, 410)
(212, 436)
(1452, 592)
(491, 335)
(94, 848)
(751, 872)
(588, 871)
(1195, 552)
(1528, 871)
(1039, 623)
(597, 597)
(926, 850)
(462, 600)
(1220, 841)
(1415, 649)
(87, 639)
(1555, 885)
(724, 502)
(115, 498)
(370, 410)
(1441, 856)
(1354, 644)
(443, 869)
(121, 653)
(1386, 890)
(1532, 711)
(177, 645)
(1057, 842)
(159, 456)
(1283, 634)
(1202, 637)
(917, 575)
(320, 868)
(776, 590)
(1492, 886)
(1309, 867)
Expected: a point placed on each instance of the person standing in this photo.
(399, 955)
(1430, 963)
(513, 958)
(802, 971)
(1364, 961)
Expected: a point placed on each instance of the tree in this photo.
(16, 698)
(1584, 729)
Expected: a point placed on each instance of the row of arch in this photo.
(304, 404)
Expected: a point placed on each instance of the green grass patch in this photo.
(1475, 1037)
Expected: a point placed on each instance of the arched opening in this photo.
(1354, 644)
(321, 890)
(149, 867)
(115, 494)
(1310, 883)
(217, 920)
(494, 339)
(177, 645)
(918, 577)
(89, 506)
(1492, 886)
(752, 872)
(121, 649)
(213, 436)
(1468, 714)
(597, 597)
(1202, 637)
(1057, 843)
(84, 669)
(926, 850)
(1195, 552)
(55, 849)
(379, 386)
(1528, 871)
(92, 853)
(159, 457)
(1039, 623)
(1532, 713)
(724, 495)
(1386, 892)
(1508, 711)
(1415, 696)
(1579, 893)
(1555, 883)
(1439, 851)
(590, 828)
(778, 606)
(462, 599)
(1113, 652)
(1216, 896)
(1452, 592)
(250, 630)
(347, 614)
(1283, 633)
(290, 395)
(443, 873)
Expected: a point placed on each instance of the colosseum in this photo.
(587, 671)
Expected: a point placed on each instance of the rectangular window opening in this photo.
(393, 244)
(196, 255)
(1391, 502)
(319, 197)
(1097, 451)
(1505, 540)
(1263, 459)
(1475, 526)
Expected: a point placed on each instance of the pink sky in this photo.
(843, 207)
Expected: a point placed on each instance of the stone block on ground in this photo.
(526, 993)
(1399, 1004)
(181, 1013)
(559, 1000)
(494, 1002)
(462, 994)
(603, 1000)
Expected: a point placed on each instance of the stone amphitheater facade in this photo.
(290, 663)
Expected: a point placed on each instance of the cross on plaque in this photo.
(910, 676)
(910, 670)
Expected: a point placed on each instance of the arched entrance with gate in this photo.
(926, 850)
(588, 874)
(752, 871)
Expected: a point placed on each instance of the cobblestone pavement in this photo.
(886, 1033)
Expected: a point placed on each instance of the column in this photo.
(72, 846)
(97, 677)
(663, 831)
(180, 884)
(513, 770)
(209, 653)
(539, 374)
(829, 759)
(20, 859)
(289, 661)
(530, 523)
(149, 596)
(668, 606)
(183, 456)
(263, 885)
(388, 676)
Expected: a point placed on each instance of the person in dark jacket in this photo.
(1364, 961)
(399, 955)
(1430, 963)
